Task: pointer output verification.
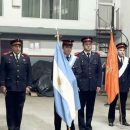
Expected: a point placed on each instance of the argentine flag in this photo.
(65, 87)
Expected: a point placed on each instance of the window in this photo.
(69, 9)
(51, 9)
(0, 7)
(31, 8)
(105, 13)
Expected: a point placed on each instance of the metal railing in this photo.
(115, 27)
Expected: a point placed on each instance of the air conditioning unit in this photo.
(16, 3)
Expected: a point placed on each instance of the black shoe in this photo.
(111, 124)
(88, 128)
(125, 123)
(81, 128)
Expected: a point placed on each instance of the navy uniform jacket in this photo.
(15, 76)
(124, 80)
(88, 73)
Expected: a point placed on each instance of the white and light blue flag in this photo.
(65, 87)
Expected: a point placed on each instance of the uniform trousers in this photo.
(87, 98)
(14, 108)
(57, 122)
(111, 113)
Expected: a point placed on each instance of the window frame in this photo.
(60, 12)
(28, 11)
(1, 14)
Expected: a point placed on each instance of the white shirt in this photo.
(15, 55)
(88, 52)
(121, 58)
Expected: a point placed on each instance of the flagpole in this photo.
(57, 35)
(120, 110)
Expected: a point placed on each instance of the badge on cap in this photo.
(16, 42)
(87, 39)
(121, 45)
(67, 42)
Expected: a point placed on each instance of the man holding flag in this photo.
(117, 80)
(65, 86)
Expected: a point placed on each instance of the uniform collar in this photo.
(68, 56)
(120, 58)
(88, 52)
(18, 55)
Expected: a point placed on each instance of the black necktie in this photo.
(121, 61)
(17, 59)
(88, 55)
(67, 58)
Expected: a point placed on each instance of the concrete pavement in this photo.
(38, 115)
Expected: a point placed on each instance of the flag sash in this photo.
(123, 67)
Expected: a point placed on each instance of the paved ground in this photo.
(38, 115)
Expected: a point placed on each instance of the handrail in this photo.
(127, 40)
(114, 28)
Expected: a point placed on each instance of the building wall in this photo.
(87, 17)
(46, 47)
(87, 21)
(125, 20)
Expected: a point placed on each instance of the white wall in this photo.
(125, 19)
(117, 5)
(87, 17)
(45, 48)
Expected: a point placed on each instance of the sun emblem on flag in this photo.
(109, 69)
(59, 81)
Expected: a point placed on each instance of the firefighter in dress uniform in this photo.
(15, 81)
(124, 85)
(88, 71)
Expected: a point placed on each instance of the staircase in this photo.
(103, 29)
(103, 38)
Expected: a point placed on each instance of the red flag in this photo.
(111, 76)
